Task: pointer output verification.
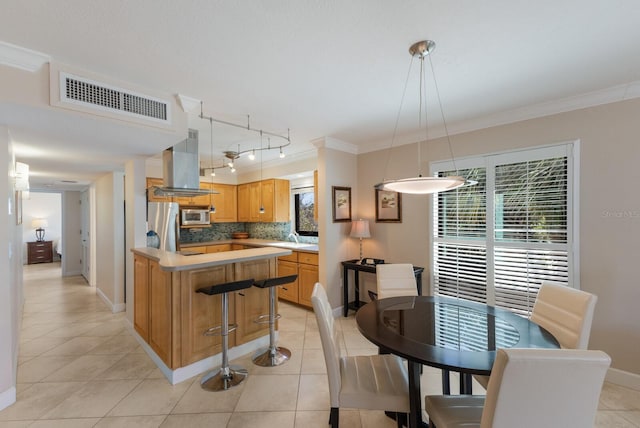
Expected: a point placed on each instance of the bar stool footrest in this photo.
(217, 330)
(265, 319)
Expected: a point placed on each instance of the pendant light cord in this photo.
(395, 128)
(444, 122)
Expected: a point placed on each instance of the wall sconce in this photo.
(39, 224)
(360, 229)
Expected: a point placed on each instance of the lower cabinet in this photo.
(172, 317)
(153, 306)
(305, 265)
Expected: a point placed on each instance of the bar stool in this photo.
(273, 355)
(226, 376)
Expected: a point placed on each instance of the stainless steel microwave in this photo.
(194, 217)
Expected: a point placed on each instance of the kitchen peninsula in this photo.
(170, 317)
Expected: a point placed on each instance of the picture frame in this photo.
(341, 204)
(388, 206)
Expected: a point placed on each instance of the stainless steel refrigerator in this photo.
(163, 227)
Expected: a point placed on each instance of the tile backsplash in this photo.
(220, 231)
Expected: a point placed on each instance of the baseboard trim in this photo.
(622, 378)
(119, 307)
(183, 373)
(7, 398)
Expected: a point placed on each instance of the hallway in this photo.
(80, 367)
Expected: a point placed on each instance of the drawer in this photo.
(308, 258)
(293, 257)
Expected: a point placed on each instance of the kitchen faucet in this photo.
(294, 235)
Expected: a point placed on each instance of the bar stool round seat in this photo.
(226, 376)
(273, 355)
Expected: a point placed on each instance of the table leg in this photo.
(466, 384)
(415, 397)
(345, 291)
(356, 276)
(446, 382)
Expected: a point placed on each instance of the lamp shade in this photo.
(360, 229)
(39, 223)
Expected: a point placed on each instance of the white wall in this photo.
(609, 209)
(136, 213)
(11, 292)
(46, 205)
(335, 168)
(71, 222)
(110, 240)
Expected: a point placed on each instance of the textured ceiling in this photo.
(321, 68)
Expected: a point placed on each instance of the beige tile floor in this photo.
(80, 367)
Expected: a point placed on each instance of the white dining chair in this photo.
(564, 312)
(529, 388)
(395, 279)
(374, 382)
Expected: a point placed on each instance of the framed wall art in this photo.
(341, 204)
(388, 207)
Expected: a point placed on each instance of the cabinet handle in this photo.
(285, 289)
(241, 294)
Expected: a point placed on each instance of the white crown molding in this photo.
(22, 58)
(335, 144)
(610, 95)
(188, 104)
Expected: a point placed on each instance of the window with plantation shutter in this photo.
(495, 242)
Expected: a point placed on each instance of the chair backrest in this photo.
(566, 313)
(544, 387)
(330, 347)
(395, 280)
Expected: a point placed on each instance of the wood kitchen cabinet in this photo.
(151, 197)
(305, 265)
(273, 194)
(225, 202)
(172, 317)
(254, 301)
(152, 306)
(141, 296)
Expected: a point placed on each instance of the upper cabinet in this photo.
(272, 194)
(150, 196)
(237, 203)
(225, 203)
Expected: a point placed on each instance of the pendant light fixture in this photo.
(212, 208)
(261, 210)
(420, 184)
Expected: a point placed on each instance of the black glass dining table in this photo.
(447, 333)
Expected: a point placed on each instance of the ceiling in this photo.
(319, 68)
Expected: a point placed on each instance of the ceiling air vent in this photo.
(81, 91)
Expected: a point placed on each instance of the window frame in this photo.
(490, 161)
(296, 211)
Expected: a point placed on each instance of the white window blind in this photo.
(497, 241)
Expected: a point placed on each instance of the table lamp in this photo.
(360, 229)
(39, 224)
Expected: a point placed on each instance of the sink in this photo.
(294, 245)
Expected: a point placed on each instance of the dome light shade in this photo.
(422, 185)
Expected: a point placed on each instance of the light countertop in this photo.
(170, 261)
(311, 248)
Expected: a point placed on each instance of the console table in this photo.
(39, 252)
(356, 267)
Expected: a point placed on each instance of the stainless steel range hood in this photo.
(181, 169)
